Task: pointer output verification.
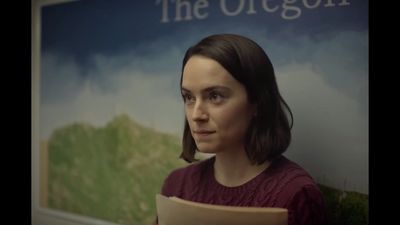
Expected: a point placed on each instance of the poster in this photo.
(110, 111)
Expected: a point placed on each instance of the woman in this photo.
(234, 110)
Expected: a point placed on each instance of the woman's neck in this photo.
(235, 169)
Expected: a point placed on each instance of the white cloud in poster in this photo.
(151, 99)
(327, 126)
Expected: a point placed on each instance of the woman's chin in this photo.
(206, 149)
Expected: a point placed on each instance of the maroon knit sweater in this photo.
(283, 184)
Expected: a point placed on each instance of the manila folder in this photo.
(176, 211)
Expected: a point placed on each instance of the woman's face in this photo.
(216, 106)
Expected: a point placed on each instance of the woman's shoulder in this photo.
(290, 172)
(285, 179)
(299, 192)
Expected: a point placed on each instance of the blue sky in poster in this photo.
(102, 57)
(85, 27)
(82, 30)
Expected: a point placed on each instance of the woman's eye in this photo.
(187, 98)
(215, 97)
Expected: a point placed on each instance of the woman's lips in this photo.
(203, 133)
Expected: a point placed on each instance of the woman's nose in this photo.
(199, 112)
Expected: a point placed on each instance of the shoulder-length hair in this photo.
(268, 134)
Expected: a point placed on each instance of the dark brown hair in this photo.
(268, 134)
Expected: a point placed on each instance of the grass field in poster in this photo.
(114, 172)
(111, 173)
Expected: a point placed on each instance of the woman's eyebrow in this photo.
(216, 87)
(208, 89)
(185, 90)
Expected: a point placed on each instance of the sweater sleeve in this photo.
(167, 186)
(307, 207)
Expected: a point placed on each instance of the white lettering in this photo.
(164, 17)
(251, 8)
(307, 5)
(329, 3)
(287, 8)
(268, 9)
(344, 2)
(186, 10)
(200, 5)
(234, 13)
(178, 8)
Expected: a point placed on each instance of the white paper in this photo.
(176, 211)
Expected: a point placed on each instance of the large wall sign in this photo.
(110, 115)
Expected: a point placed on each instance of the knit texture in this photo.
(283, 184)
